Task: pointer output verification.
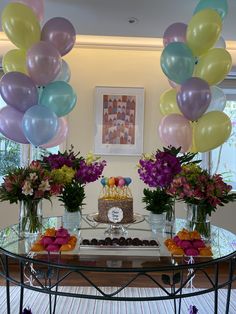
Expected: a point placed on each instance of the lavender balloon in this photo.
(175, 33)
(60, 136)
(193, 98)
(10, 125)
(60, 33)
(18, 91)
(43, 63)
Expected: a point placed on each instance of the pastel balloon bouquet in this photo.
(35, 84)
(195, 64)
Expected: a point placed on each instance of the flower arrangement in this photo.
(158, 170)
(73, 172)
(196, 186)
(28, 184)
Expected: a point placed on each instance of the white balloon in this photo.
(218, 99)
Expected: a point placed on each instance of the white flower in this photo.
(44, 186)
(27, 189)
(33, 176)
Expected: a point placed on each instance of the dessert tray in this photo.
(120, 247)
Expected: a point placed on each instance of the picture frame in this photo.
(119, 116)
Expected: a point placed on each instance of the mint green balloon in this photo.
(220, 6)
(177, 62)
(60, 97)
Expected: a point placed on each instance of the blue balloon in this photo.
(65, 73)
(39, 125)
(177, 62)
(220, 6)
(59, 97)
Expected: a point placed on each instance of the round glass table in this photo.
(119, 266)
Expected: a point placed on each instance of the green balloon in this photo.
(60, 97)
(177, 62)
(220, 6)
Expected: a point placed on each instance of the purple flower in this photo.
(56, 161)
(192, 309)
(159, 171)
(89, 172)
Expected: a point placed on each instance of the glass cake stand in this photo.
(115, 229)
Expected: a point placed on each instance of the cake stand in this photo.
(115, 229)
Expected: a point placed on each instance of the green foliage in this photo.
(184, 158)
(9, 155)
(157, 201)
(72, 196)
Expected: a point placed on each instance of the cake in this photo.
(115, 204)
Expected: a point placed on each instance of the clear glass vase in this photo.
(30, 217)
(72, 220)
(197, 219)
(157, 222)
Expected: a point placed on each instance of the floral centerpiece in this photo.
(29, 185)
(158, 170)
(202, 191)
(73, 172)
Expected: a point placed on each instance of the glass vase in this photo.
(30, 217)
(72, 220)
(157, 222)
(198, 220)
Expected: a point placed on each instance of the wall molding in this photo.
(109, 42)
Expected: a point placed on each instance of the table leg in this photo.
(21, 288)
(229, 286)
(216, 288)
(7, 285)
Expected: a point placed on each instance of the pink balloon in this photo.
(60, 136)
(175, 130)
(11, 125)
(36, 5)
(60, 33)
(175, 33)
(43, 62)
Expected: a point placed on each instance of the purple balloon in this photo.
(193, 98)
(175, 33)
(18, 91)
(10, 125)
(60, 33)
(43, 63)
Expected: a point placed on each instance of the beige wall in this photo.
(122, 68)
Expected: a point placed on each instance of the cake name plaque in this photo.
(115, 214)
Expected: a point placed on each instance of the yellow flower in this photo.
(63, 175)
(90, 158)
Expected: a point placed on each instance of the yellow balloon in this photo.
(21, 25)
(212, 130)
(168, 103)
(15, 60)
(214, 66)
(203, 31)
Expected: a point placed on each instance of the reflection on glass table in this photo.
(128, 265)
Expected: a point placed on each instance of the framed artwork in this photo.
(119, 120)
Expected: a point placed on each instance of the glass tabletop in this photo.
(223, 243)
